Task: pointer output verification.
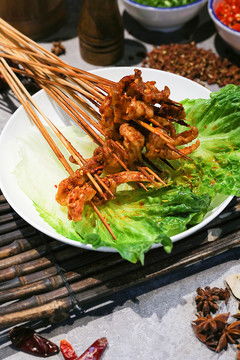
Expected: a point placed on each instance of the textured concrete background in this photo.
(151, 321)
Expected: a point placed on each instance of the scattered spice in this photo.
(206, 299)
(209, 329)
(194, 63)
(67, 350)
(27, 340)
(228, 12)
(215, 332)
(94, 352)
(58, 48)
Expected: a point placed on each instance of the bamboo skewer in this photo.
(30, 44)
(44, 66)
(87, 84)
(16, 85)
(16, 89)
(96, 125)
(91, 90)
(98, 96)
(76, 155)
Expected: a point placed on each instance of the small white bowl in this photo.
(232, 37)
(163, 19)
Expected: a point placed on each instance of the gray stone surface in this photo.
(151, 321)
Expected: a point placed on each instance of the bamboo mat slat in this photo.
(43, 279)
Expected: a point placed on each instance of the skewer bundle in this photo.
(73, 89)
(80, 94)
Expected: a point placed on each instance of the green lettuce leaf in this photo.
(215, 165)
(218, 122)
(139, 219)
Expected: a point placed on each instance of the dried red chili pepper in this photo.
(26, 339)
(95, 351)
(67, 350)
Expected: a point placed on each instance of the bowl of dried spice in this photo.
(163, 15)
(226, 17)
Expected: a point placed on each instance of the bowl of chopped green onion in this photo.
(163, 15)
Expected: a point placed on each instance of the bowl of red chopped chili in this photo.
(226, 16)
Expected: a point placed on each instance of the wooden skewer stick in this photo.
(14, 83)
(80, 121)
(76, 155)
(154, 175)
(168, 140)
(94, 124)
(33, 115)
(31, 45)
(5, 44)
(96, 96)
(81, 101)
(78, 158)
(164, 136)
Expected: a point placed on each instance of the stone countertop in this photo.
(151, 321)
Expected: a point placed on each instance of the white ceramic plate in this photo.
(19, 123)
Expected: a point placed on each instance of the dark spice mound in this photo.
(194, 63)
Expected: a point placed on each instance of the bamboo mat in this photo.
(41, 278)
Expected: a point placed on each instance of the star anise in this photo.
(209, 329)
(230, 335)
(223, 294)
(207, 298)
